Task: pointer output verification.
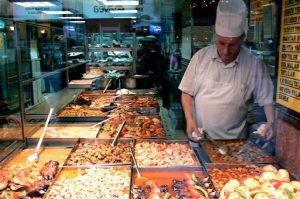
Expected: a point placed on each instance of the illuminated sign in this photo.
(94, 9)
(288, 89)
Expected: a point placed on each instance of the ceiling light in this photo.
(123, 11)
(114, 3)
(126, 17)
(35, 4)
(80, 22)
(58, 12)
(71, 17)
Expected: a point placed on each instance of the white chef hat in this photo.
(231, 16)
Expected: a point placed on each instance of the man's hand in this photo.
(266, 132)
(193, 132)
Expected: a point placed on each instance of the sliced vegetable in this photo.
(202, 190)
(275, 183)
(290, 196)
(194, 178)
(167, 195)
(241, 194)
(253, 193)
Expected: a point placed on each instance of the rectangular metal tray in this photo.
(50, 150)
(76, 169)
(92, 141)
(78, 118)
(194, 156)
(165, 176)
(84, 129)
(135, 124)
(231, 157)
(251, 167)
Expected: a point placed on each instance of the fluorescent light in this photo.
(126, 17)
(71, 17)
(123, 11)
(114, 3)
(80, 22)
(58, 12)
(35, 4)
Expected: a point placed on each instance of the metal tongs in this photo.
(104, 121)
(223, 150)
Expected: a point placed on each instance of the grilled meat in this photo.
(49, 170)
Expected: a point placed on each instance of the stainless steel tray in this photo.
(232, 156)
(76, 169)
(78, 118)
(48, 152)
(96, 141)
(240, 169)
(194, 156)
(165, 176)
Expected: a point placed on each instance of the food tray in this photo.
(164, 153)
(79, 118)
(99, 92)
(241, 152)
(67, 130)
(35, 177)
(220, 174)
(108, 130)
(164, 180)
(92, 182)
(88, 153)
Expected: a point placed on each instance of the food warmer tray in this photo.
(51, 151)
(130, 118)
(71, 172)
(241, 170)
(166, 175)
(78, 118)
(194, 156)
(205, 155)
(96, 140)
(130, 126)
(66, 130)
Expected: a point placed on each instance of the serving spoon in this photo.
(35, 157)
(223, 150)
(139, 176)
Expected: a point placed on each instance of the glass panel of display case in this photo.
(10, 122)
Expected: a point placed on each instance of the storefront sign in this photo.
(288, 91)
(94, 9)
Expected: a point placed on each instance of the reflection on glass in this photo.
(10, 123)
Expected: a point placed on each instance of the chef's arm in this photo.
(188, 106)
(269, 111)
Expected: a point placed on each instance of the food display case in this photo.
(112, 51)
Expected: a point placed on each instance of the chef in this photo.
(221, 79)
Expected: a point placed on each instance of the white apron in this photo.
(221, 109)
